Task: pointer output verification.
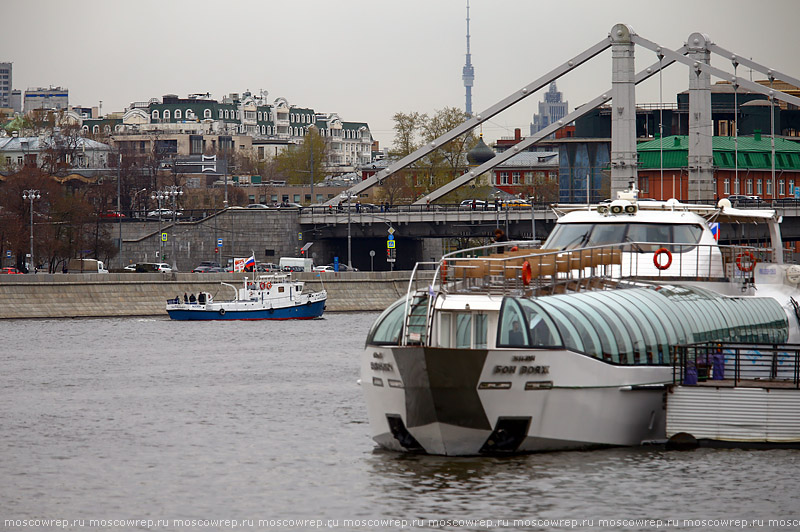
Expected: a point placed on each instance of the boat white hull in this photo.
(469, 402)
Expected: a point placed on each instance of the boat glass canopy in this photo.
(636, 326)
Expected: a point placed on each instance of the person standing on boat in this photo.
(515, 336)
(185, 298)
(500, 236)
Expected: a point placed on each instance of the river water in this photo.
(111, 423)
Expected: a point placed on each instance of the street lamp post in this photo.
(31, 195)
(168, 192)
(119, 207)
(158, 196)
(349, 239)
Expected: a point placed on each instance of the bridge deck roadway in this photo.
(420, 222)
(415, 221)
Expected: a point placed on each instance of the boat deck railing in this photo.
(517, 268)
(737, 365)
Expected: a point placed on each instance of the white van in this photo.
(296, 264)
(86, 266)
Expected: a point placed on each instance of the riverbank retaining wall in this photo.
(145, 294)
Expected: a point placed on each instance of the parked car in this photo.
(111, 214)
(208, 269)
(472, 204)
(162, 213)
(514, 203)
(343, 267)
(257, 206)
(789, 201)
(10, 270)
(268, 267)
(208, 266)
(323, 268)
(148, 267)
(744, 200)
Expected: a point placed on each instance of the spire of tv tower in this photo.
(468, 73)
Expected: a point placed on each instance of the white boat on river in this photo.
(516, 349)
(267, 297)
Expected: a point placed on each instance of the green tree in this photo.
(298, 164)
(406, 134)
(439, 167)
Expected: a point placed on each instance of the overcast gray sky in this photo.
(368, 59)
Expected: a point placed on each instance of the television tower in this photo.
(468, 73)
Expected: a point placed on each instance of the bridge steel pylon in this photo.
(623, 104)
(622, 40)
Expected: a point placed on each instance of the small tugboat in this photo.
(267, 297)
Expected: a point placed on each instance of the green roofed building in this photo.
(742, 166)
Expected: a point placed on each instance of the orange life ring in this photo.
(269, 285)
(657, 262)
(261, 285)
(751, 258)
(444, 271)
(526, 273)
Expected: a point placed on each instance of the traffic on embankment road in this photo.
(145, 294)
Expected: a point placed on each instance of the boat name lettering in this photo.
(381, 366)
(523, 370)
(534, 370)
(523, 358)
(377, 355)
(767, 271)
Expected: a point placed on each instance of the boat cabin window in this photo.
(463, 330)
(387, 328)
(280, 289)
(512, 331)
(578, 235)
(298, 288)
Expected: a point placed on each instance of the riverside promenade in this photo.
(145, 294)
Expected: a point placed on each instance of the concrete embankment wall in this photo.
(145, 294)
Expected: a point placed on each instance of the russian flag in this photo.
(714, 230)
(250, 264)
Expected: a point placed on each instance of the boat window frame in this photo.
(663, 303)
(663, 328)
(647, 338)
(551, 324)
(399, 304)
(566, 312)
(616, 325)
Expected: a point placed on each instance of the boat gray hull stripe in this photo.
(441, 385)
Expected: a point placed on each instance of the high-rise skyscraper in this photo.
(468, 73)
(5, 84)
(552, 109)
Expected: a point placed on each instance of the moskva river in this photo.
(151, 424)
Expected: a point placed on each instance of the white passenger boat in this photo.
(569, 346)
(267, 297)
